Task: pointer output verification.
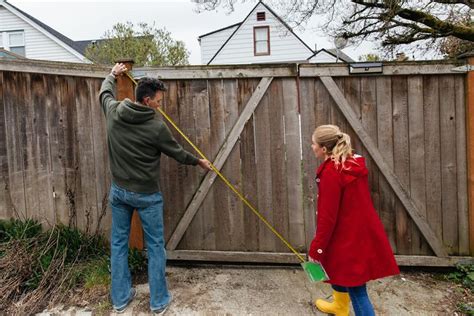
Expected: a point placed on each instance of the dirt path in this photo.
(218, 290)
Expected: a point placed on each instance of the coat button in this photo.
(317, 180)
(320, 251)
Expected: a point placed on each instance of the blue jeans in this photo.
(359, 298)
(150, 210)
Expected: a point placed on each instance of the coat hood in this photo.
(134, 113)
(353, 168)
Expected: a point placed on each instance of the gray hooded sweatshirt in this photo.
(136, 137)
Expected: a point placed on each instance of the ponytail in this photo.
(336, 142)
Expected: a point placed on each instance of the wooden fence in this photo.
(256, 122)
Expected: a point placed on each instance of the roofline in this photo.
(269, 9)
(330, 53)
(224, 28)
(22, 16)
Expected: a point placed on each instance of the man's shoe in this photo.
(120, 310)
(162, 311)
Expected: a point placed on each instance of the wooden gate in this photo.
(255, 123)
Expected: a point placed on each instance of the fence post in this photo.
(125, 89)
(470, 149)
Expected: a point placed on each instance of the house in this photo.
(24, 35)
(262, 37)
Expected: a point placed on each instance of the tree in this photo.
(452, 47)
(370, 57)
(392, 22)
(148, 46)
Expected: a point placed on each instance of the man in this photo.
(136, 137)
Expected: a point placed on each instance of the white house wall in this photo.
(212, 42)
(284, 45)
(37, 45)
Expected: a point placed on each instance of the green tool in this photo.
(314, 271)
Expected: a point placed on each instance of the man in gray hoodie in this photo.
(136, 137)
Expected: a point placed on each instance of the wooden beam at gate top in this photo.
(125, 89)
(221, 157)
(392, 179)
(470, 151)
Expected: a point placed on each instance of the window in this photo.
(260, 16)
(261, 40)
(13, 41)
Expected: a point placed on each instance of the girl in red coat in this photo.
(350, 240)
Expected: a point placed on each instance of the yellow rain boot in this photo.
(339, 307)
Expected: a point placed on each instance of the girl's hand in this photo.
(312, 259)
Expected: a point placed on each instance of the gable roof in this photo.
(240, 24)
(333, 52)
(222, 29)
(59, 38)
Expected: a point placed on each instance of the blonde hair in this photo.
(337, 143)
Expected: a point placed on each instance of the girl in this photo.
(350, 241)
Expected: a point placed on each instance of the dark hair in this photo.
(147, 87)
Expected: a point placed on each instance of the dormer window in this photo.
(260, 16)
(261, 40)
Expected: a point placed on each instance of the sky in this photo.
(86, 19)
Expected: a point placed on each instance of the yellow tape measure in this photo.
(242, 198)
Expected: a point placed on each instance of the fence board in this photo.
(448, 163)
(401, 159)
(461, 157)
(5, 200)
(385, 145)
(294, 192)
(248, 154)
(432, 153)
(416, 134)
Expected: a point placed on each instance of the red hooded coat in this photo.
(350, 240)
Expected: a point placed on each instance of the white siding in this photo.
(284, 45)
(323, 57)
(210, 44)
(37, 44)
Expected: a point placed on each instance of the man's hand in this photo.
(205, 164)
(118, 69)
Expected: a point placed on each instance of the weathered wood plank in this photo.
(219, 72)
(218, 163)
(432, 153)
(285, 258)
(309, 112)
(435, 243)
(231, 170)
(461, 163)
(392, 69)
(294, 184)
(417, 157)
(246, 87)
(278, 166)
(385, 145)
(263, 168)
(5, 200)
(447, 108)
(368, 109)
(401, 159)
(16, 140)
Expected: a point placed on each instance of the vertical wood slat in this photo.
(307, 106)
(385, 145)
(448, 163)
(432, 153)
(296, 229)
(15, 142)
(401, 159)
(5, 201)
(231, 169)
(461, 155)
(416, 136)
(247, 150)
(470, 151)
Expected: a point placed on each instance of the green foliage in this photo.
(464, 274)
(147, 46)
(16, 229)
(137, 260)
(96, 273)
